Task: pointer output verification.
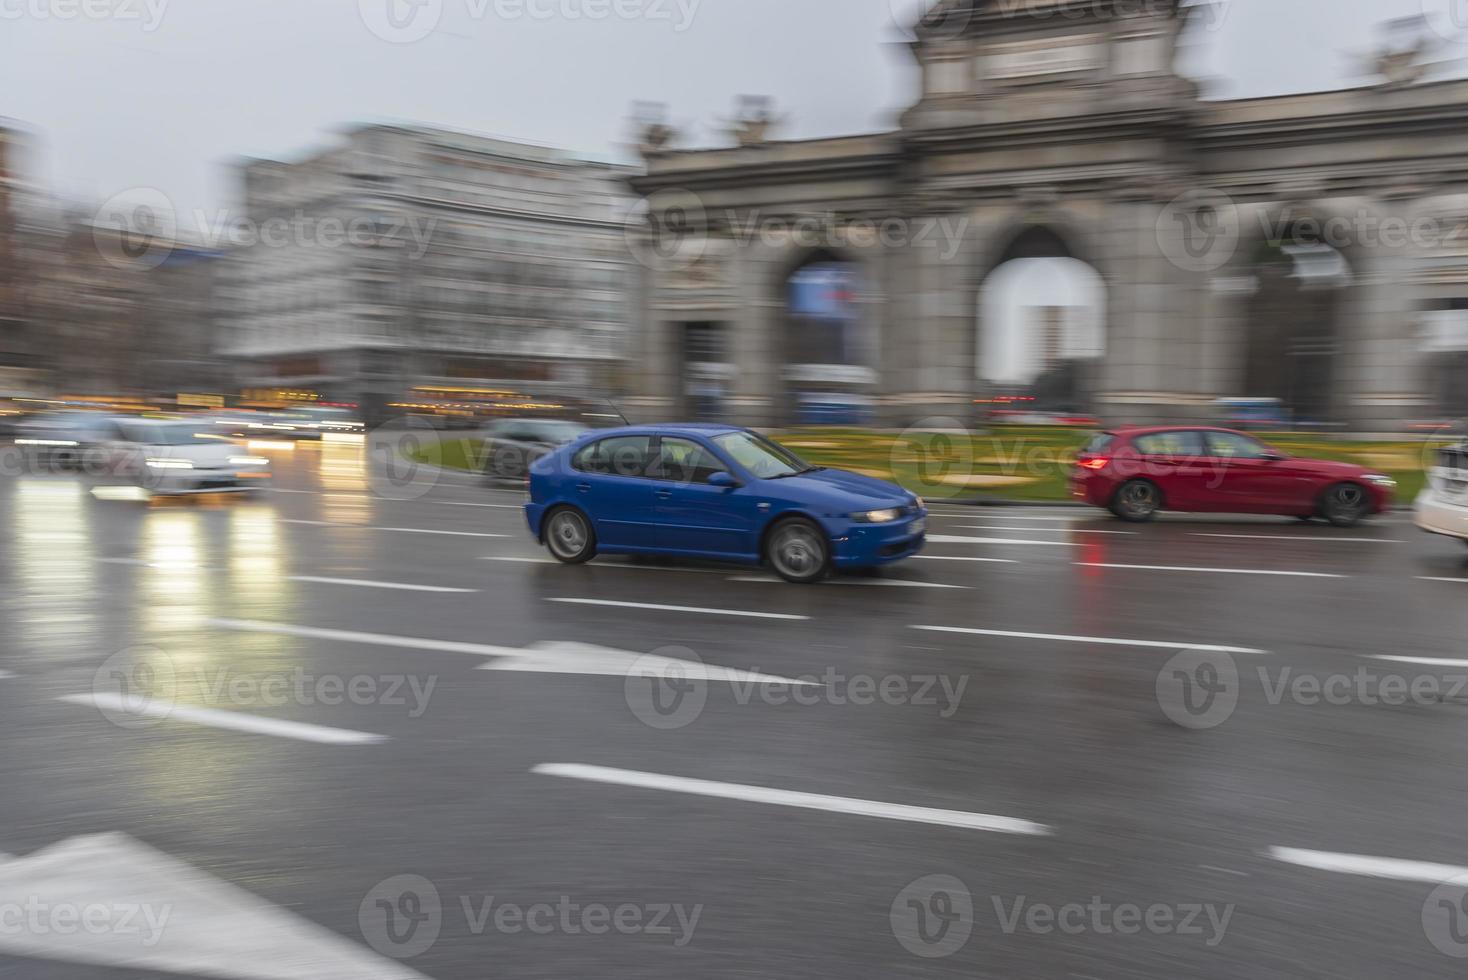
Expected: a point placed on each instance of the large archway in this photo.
(826, 346)
(1042, 329)
(1293, 324)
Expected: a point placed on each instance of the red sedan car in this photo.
(1135, 473)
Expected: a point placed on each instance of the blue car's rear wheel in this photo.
(569, 536)
(798, 551)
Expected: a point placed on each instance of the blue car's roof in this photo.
(688, 428)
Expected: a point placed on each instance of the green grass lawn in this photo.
(1015, 463)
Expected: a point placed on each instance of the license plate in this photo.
(918, 526)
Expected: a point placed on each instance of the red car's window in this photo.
(1231, 445)
(1170, 444)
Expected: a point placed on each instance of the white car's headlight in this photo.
(44, 442)
(170, 464)
(877, 516)
(1381, 480)
(248, 461)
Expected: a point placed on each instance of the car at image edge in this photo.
(1137, 473)
(1442, 507)
(716, 492)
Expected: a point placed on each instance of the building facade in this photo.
(408, 257)
(1308, 248)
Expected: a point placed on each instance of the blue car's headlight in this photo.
(877, 516)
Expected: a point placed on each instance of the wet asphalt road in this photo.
(1152, 779)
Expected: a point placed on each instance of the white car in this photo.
(1443, 506)
(174, 457)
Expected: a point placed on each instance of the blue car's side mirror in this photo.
(722, 480)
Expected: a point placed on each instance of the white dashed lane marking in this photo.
(789, 798)
(1311, 539)
(230, 720)
(1210, 571)
(363, 583)
(404, 530)
(1099, 640)
(1367, 866)
(697, 610)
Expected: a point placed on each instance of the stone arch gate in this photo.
(1070, 118)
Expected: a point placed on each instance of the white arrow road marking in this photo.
(701, 610)
(581, 658)
(805, 801)
(1366, 866)
(1102, 640)
(170, 916)
(366, 584)
(231, 720)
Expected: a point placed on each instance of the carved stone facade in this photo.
(1051, 121)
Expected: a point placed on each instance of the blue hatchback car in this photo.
(716, 491)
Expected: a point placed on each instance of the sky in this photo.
(166, 93)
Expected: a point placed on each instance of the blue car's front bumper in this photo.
(864, 545)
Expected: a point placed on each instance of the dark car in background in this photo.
(511, 445)
(1137, 473)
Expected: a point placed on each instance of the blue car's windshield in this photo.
(765, 459)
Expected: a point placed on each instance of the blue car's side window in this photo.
(682, 461)
(617, 456)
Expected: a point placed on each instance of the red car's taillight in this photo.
(1096, 463)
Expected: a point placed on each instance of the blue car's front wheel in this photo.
(798, 551)
(569, 536)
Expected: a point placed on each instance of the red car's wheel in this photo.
(1137, 501)
(1346, 504)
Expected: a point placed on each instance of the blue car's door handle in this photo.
(584, 487)
(664, 494)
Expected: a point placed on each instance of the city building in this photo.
(1309, 248)
(407, 259)
(19, 356)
